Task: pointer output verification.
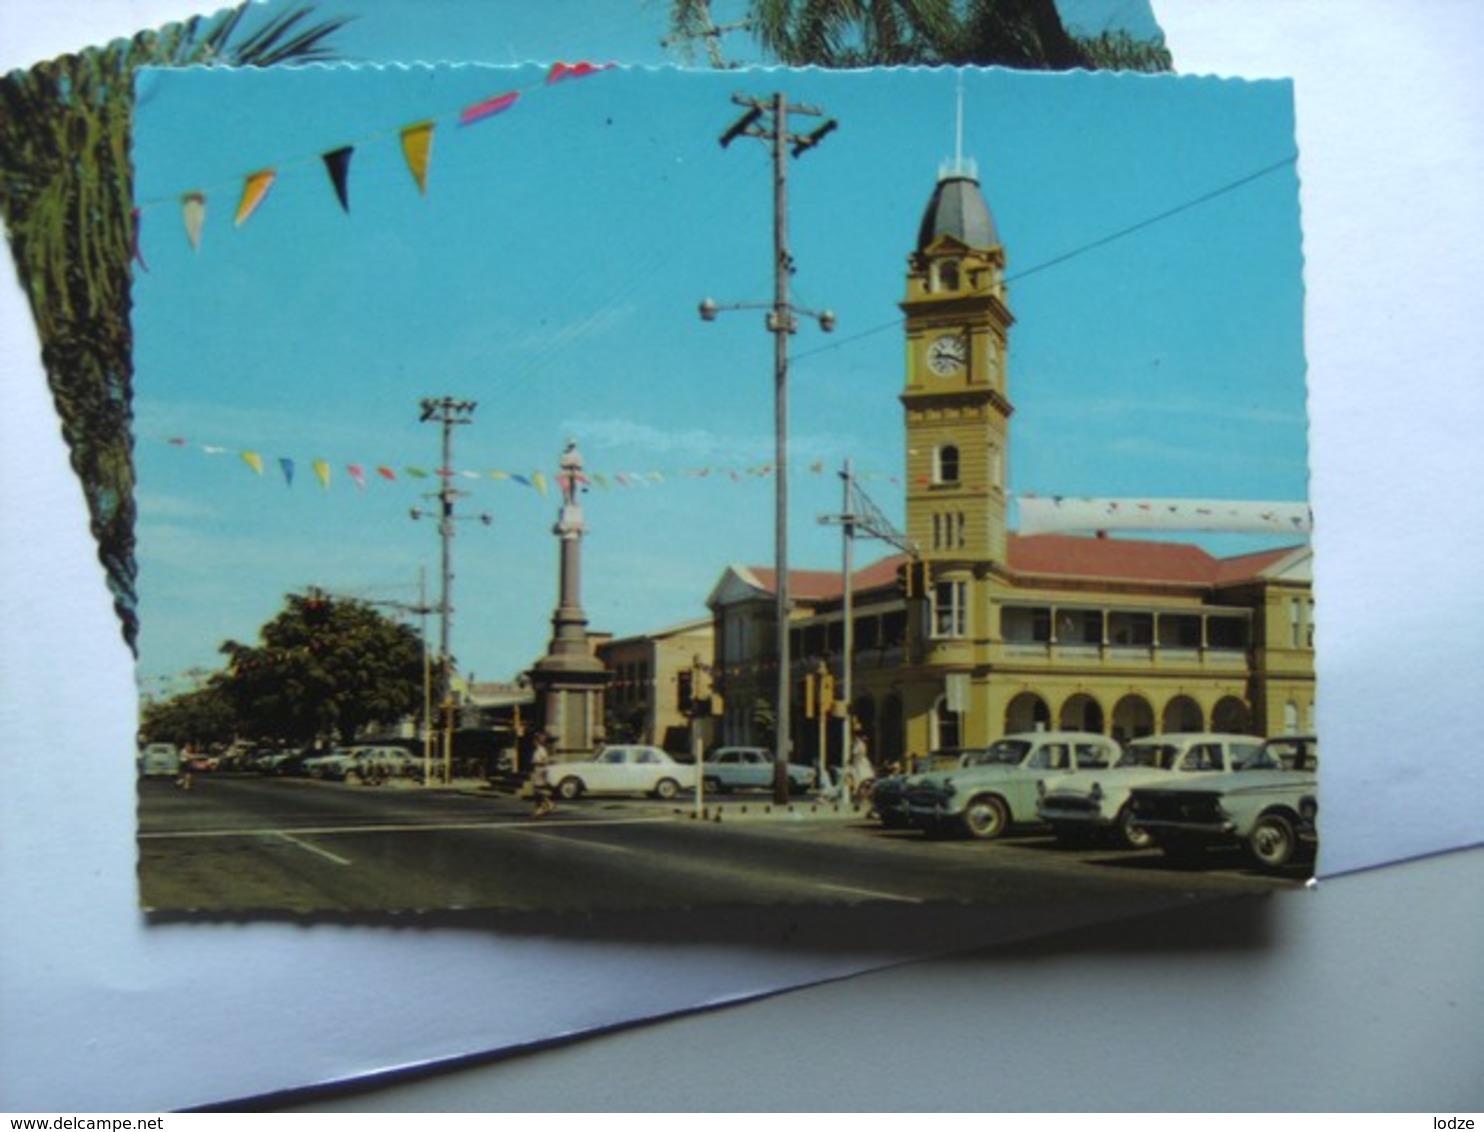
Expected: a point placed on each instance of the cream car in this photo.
(997, 790)
(1094, 804)
(623, 769)
(1269, 807)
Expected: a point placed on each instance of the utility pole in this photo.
(858, 516)
(447, 412)
(767, 119)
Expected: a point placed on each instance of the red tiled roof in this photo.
(1063, 556)
(1112, 558)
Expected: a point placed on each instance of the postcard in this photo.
(491, 422)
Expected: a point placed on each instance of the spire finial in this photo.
(959, 166)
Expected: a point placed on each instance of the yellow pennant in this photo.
(253, 461)
(254, 190)
(322, 470)
(417, 148)
(540, 481)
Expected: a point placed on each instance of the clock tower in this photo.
(956, 403)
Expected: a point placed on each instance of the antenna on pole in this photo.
(960, 166)
(958, 134)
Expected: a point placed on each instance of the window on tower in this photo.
(950, 609)
(946, 464)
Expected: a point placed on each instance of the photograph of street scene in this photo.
(581, 488)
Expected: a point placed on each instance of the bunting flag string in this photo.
(358, 472)
(415, 139)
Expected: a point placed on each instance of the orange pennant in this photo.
(254, 190)
(417, 149)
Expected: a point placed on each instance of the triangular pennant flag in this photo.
(287, 466)
(178, 441)
(213, 449)
(601, 480)
(520, 480)
(357, 474)
(337, 165)
(488, 108)
(539, 482)
(193, 212)
(254, 190)
(253, 461)
(417, 148)
(499, 475)
(560, 71)
(417, 473)
(322, 470)
(385, 473)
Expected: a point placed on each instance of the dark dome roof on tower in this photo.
(957, 209)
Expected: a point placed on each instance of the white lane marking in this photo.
(543, 836)
(419, 827)
(872, 893)
(312, 848)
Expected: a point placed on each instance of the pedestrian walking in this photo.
(859, 773)
(540, 780)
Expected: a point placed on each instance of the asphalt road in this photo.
(243, 844)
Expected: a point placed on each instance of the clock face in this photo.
(948, 354)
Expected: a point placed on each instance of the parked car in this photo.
(625, 769)
(750, 768)
(1268, 807)
(1089, 804)
(321, 764)
(159, 760)
(889, 792)
(998, 789)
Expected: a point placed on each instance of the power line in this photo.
(1100, 242)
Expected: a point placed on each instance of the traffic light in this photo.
(913, 578)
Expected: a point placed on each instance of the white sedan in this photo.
(623, 770)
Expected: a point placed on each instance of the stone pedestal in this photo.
(569, 680)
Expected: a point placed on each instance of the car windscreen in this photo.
(1007, 752)
(1157, 755)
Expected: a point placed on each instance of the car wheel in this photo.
(985, 818)
(1273, 841)
(569, 788)
(1131, 835)
(666, 789)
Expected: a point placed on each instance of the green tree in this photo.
(1027, 34)
(197, 718)
(66, 193)
(325, 668)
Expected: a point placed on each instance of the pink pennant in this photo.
(562, 71)
(488, 108)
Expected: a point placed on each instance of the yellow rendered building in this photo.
(984, 632)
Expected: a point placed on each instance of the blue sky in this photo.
(552, 272)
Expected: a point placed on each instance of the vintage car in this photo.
(998, 789)
(749, 768)
(623, 769)
(889, 792)
(1267, 807)
(1094, 804)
